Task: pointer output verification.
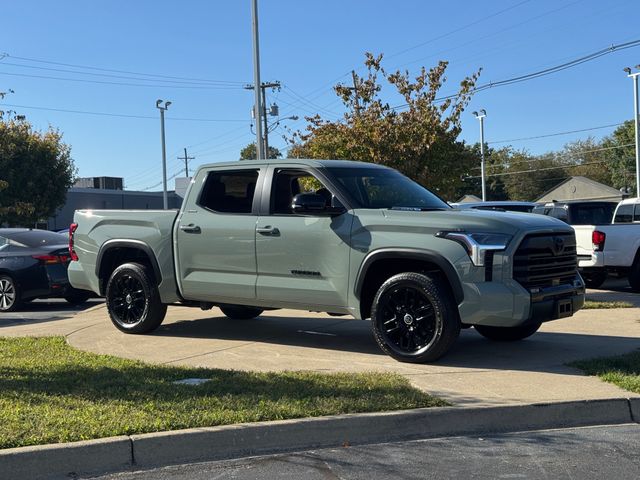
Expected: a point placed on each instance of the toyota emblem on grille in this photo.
(558, 245)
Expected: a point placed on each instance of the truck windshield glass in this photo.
(386, 188)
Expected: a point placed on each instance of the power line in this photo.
(464, 27)
(559, 157)
(542, 73)
(106, 75)
(556, 134)
(126, 84)
(121, 71)
(122, 115)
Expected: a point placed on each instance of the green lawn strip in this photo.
(623, 370)
(593, 304)
(51, 392)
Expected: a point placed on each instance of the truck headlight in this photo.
(477, 244)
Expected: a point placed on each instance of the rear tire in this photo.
(77, 297)
(507, 334)
(240, 312)
(634, 275)
(594, 279)
(414, 319)
(9, 294)
(133, 300)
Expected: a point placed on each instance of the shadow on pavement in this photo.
(43, 311)
(544, 351)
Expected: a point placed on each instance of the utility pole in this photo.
(356, 93)
(261, 120)
(162, 108)
(636, 122)
(256, 79)
(186, 159)
(480, 116)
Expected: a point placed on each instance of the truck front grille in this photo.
(546, 260)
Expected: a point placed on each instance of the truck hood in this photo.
(484, 221)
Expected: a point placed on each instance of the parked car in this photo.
(331, 236)
(503, 205)
(33, 264)
(612, 247)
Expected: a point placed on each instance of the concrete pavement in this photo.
(476, 372)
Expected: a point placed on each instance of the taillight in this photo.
(598, 238)
(72, 229)
(48, 259)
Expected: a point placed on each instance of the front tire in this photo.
(9, 294)
(133, 300)
(240, 312)
(508, 334)
(414, 318)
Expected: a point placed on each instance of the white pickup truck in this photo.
(611, 248)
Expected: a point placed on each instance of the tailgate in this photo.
(584, 244)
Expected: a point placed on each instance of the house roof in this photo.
(594, 190)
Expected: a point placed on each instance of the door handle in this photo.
(191, 228)
(268, 230)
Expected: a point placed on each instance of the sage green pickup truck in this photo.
(340, 237)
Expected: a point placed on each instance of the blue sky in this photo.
(307, 46)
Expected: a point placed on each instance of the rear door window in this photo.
(229, 191)
(624, 214)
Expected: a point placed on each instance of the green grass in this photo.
(623, 370)
(592, 304)
(50, 392)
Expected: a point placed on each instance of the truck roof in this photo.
(304, 161)
(631, 201)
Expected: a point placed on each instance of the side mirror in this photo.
(314, 204)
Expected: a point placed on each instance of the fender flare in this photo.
(415, 254)
(128, 243)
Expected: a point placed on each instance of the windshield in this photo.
(385, 188)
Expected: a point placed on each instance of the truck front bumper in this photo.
(509, 304)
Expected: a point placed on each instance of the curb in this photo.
(151, 450)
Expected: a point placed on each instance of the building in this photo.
(469, 198)
(111, 198)
(581, 188)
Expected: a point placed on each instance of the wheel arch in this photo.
(381, 264)
(116, 252)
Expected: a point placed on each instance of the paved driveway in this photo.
(475, 372)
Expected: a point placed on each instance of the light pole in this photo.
(162, 108)
(256, 81)
(480, 116)
(636, 122)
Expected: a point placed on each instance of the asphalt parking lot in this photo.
(44, 311)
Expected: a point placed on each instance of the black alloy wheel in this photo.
(133, 300)
(413, 318)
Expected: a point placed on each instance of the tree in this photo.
(249, 152)
(621, 156)
(420, 139)
(36, 170)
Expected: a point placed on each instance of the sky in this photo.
(94, 70)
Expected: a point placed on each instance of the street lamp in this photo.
(480, 116)
(636, 122)
(162, 108)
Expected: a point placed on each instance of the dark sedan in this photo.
(33, 264)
